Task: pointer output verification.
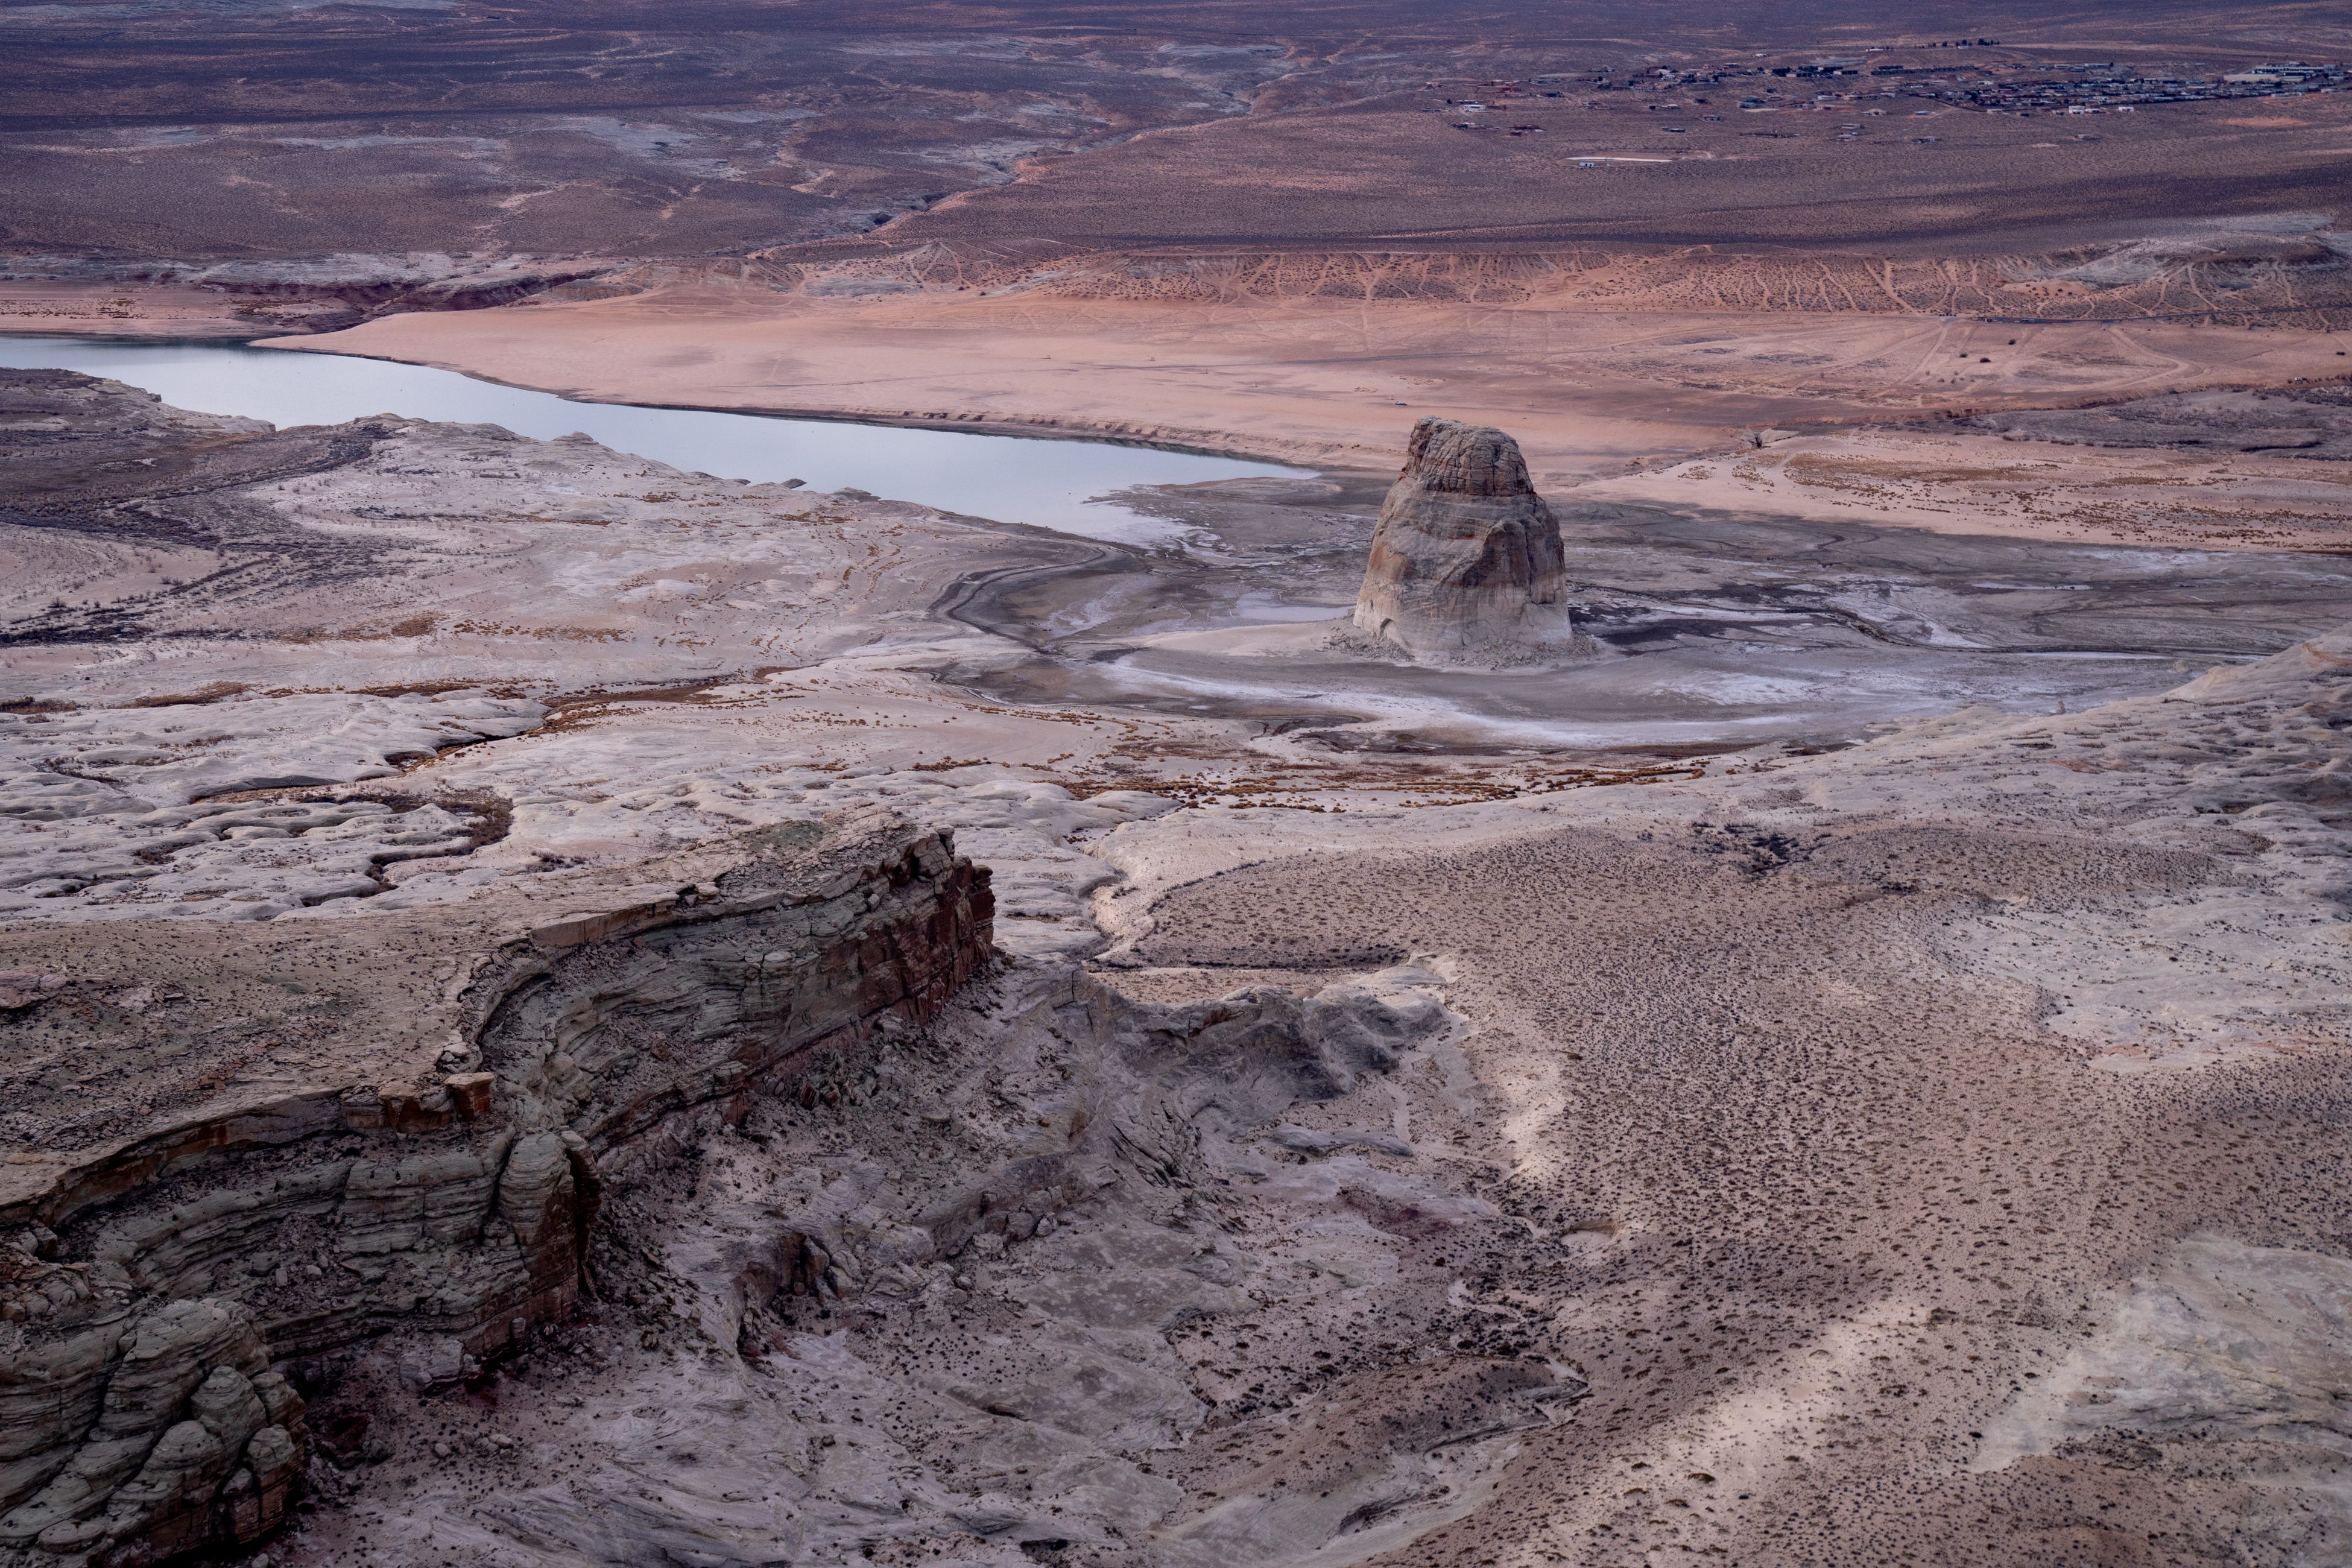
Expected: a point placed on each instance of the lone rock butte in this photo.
(1465, 563)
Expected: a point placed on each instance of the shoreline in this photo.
(966, 423)
(1608, 409)
(1191, 442)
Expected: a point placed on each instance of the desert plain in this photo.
(1786, 679)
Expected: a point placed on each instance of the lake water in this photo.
(1050, 484)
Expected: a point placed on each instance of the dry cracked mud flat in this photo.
(560, 1010)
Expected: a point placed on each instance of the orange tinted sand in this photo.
(1332, 381)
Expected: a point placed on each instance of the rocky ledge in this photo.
(158, 1286)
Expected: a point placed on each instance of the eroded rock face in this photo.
(193, 1441)
(141, 1417)
(779, 1114)
(1465, 566)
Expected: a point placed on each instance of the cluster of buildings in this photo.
(2087, 88)
(2090, 88)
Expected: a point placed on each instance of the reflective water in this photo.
(1050, 484)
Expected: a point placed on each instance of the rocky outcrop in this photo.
(621, 1018)
(141, 1415)
(1466, 565)
(180, 1436)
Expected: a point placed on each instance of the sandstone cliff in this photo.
(152, 1283)
(1465, 563)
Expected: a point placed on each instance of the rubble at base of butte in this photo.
(1466, 565)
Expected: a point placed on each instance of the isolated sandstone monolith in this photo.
(1467, 565)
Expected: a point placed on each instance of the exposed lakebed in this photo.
(1709, 628)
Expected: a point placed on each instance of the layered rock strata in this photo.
(152, 1284)
(1467, 565)
(699, 1121)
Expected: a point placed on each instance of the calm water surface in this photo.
(1051, 484)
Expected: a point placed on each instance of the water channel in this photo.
(1010, 478)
